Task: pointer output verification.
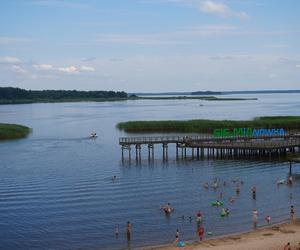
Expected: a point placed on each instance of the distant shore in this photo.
(273, 237)
(207, 126)
(13, 131)
(10, 95)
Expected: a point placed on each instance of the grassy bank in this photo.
(207, 126)
(13, 131)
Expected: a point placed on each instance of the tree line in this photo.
(10, 93)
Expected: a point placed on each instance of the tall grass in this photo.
(207, 126)
(13, 131)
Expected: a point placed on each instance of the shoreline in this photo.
(271, 237)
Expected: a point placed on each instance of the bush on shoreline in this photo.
(13, 131)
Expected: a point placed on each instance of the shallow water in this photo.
(56, 190)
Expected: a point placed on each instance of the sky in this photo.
(150, 45)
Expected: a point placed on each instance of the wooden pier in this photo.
(212, 147)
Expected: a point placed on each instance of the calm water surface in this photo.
(56, 190)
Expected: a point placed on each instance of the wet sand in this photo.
(269, 238)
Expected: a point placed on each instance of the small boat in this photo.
(93, 135)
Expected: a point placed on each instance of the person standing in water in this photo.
(200, 232)
(268, 219)
(117, 231)
(292, 212)
(128, 230)
(177, 236)
(253, 193)
(255, 218)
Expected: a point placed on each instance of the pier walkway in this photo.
(209, 146)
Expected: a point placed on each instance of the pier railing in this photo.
(186, 139)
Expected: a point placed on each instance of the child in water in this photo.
(268, 219)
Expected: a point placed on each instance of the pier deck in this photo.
(210, 146)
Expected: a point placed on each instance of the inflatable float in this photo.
(217, 203)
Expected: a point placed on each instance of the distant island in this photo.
(13, 131)
(219, 92)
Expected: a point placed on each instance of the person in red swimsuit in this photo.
(200, 232)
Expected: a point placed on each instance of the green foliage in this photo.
(207, 126)
(13, 131)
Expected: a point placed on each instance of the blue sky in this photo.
(150, 45)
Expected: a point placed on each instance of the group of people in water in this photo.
(168, 209)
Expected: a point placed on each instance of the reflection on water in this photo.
(56, 187)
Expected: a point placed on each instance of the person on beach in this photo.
(255, 217)
(237, 190)
(200, 232)
(177, 236)
(268, 219)
(253, 193)
(292, 212)
(205, 185)
(287, 246)
(128, 230)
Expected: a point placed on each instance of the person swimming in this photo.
(167, 208)
(205, 185)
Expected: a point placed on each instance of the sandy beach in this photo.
(270, 238)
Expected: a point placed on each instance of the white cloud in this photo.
(184, 36)
(220, 9)
(271, 76)
(277, 46)
(42, 66)
(10, 40)
(10, 59)
(68, 70)
(18, 69)
(87, 69)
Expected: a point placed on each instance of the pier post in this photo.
(165, 151)
(198, 153)
(138, 152)
(150, 148)
(129, 153)
(290, 172)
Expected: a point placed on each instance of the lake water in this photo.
(56, 190)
